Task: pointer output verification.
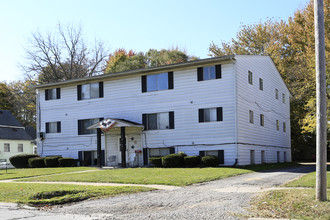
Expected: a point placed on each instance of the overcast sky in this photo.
(139, 25)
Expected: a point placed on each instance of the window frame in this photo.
(262, 120)
(145, 83)
(218, 115)
(217, 72)
(52, 94)
(20, 148)
(82, 128)
(277, 125)
(276, 94)
(251, 117)
(6, 147)
(261, 84)
(80, 91)
(283, 98)
(284, 127)
(147, 125)
(250, 77)
(52, 125)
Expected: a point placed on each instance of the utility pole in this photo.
(321, 103)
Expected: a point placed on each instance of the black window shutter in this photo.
(170, 80)
(58, 93)
(80, 158)
(219, 114)
(221, 156)
(79, 92)
(200, 74)
(101, 119)
(80, 127)
(171, 119)
(145, 156)
(58, 127)
(144, 83)
(102, 158)
(46, 94)
(47, 127)
(218, 71)
(202, 153)
(201, 115)
(145, 121)
(101, 90)
(172, 150)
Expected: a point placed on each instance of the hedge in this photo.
(21, 160)
(67, 162)
(173, 160)
(156, 161)
(192, 161)
(37, 162)
(210, 161)
(52, 161)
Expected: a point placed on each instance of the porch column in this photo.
(123, 146)
(99, 164)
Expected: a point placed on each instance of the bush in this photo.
(52, 161)
(173, 160)
(37, 162)
(67, 162)
(21, 160)
(156, 161)
(192, 161)
(210, 161)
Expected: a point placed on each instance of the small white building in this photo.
(236, 107)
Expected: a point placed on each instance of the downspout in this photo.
(236, 110)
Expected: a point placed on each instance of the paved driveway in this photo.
(212, 200)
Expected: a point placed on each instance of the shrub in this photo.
(156, 161)
(210, 161)
(21, 160)
(192, 161)
(37, 162)
(67, 162)
(173, 160)
(52, 161)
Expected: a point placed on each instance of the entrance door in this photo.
(252, 159)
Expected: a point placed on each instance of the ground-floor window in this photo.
(159, 152)
(20, 148)
(6, 147)
(89, 158)
(217, 153)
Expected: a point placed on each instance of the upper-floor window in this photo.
(284, 127)
(158, 121)
(6, 147)
(262, 120)
(251, 116)
(208, 72)
(250, 79)
(283, 97)
(261, 84)
(20, 148)
(90, 91)
(51, 94)
(277, 125)
(83, 124)
(210, 114)
(53, 127)
(156, 82)
(276, 93)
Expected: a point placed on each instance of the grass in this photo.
(21, 173)
(291, 204)
(168, 176)
(308, 180)
(53, 194)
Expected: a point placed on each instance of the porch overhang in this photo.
(109, 123)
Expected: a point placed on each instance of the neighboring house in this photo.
(235, 107)
(14, 138)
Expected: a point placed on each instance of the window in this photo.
(85, 123)
(284, 127)
(278, 157)
(277, 125)
(283, 97)
(276, 93)
(158, 121)
(159, 152)
(156, 82)
(6, 147)
(51, 94)
(250, 80)
(262, 120)
(90, 91)
(251, 117)
(20, 148)
(261, 84)
(218, 153)
(53, 127)
(208, 72)
(210, 114)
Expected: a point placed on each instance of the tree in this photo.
(291, 46)
(63, 56)
(5, 97)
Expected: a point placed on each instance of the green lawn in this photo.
(52, 194)
(308, 180)
(21, 173)
(290, 204)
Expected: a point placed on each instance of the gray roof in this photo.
(10, 128)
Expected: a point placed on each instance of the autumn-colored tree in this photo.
(291, 46)
(5, 97)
